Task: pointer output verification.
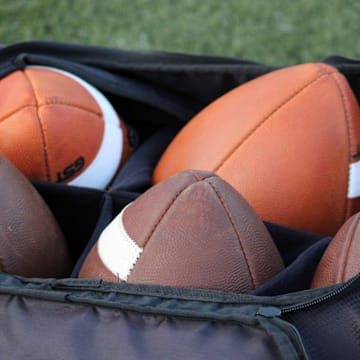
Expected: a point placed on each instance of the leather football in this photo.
(56, 127)
(31, 241)
(191, 230)
(288, 141)
(340, 261)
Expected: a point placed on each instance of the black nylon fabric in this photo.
(331, 330)
(75, 209)
(298, 274)
(135, 176)
(105, 320)
(84, 332)
(99, 55)
(104, 219)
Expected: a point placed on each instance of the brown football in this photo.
(191, 230)
(340, 261)
(31, 242)
(288, 141)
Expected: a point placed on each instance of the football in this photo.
(288, 141)
(31, 241)
(191, 230)
(56, 127)
(340, 261)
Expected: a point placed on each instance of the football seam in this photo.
(175, 197)
(59, 101)
(42, 129)
(319, 76)
(8, 115)
(348, 248)
(230, 217)
(49, 102)
(338, 86)
(2, 265)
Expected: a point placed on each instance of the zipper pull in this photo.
(269, 311)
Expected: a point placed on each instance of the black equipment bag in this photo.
(73, 318)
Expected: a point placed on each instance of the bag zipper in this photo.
(268, 311)
(274, 311)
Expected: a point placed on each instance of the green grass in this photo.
(275, 32)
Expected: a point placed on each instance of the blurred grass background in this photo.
(276, 32)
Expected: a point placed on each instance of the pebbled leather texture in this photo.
(340, 261)
(284, 140)
(195, 231)
(31, 242)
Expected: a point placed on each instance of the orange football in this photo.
(287, 141)
(55, 126)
